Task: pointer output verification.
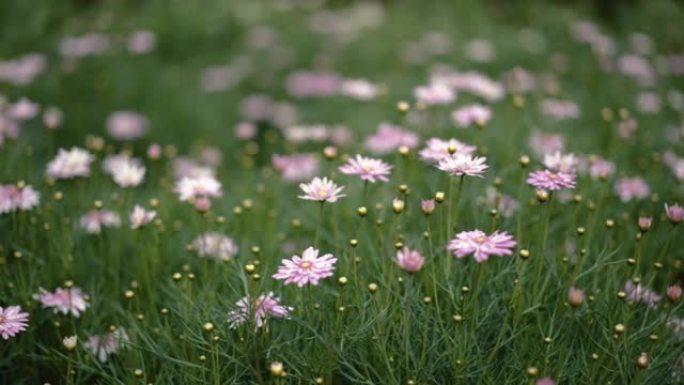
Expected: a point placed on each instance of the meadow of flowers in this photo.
(295, 192)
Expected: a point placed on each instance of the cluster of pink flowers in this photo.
(434, 94)
(198, 188)
(481, 245)
(258, 310)
(303, 84)
(472, 114)
(67, 301)
(18, 197)
(308, 269)
(638, 293)
(22, 70)
(634, 188)
(560, 109)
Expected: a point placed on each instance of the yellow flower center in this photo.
(481, 239)
(306, 265)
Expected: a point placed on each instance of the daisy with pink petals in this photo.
(481, 245)
(18, 197)
(307, 269)
(462, 165)
(322, 190)
(549, 180)
(437, 149)
(635, 188)
(66, 301)
(140, 217)
(12, 321)
(368, 169)
(258, 310)
(204, 186)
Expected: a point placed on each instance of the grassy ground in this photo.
(504, 321)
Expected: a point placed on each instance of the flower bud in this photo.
(575, 297)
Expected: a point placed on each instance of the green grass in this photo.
(512, 313)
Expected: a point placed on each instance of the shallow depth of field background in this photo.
(208, 57)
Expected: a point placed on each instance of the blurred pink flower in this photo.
(127, 125)
(245, 130)
(437, 149)
(17, 197)
(628, 189)
(23, 70)
(545, 381)
(648, 102)
(67, 301)
(12, 321)
(461, 165)
(52, 118)
(303, 84)
(389, 138)
(466, 116)
(409, 260)
(368, 169)
(307, 269)
(258, 310)
(322, 190)
(427, 206)
(549, 180)
(141, 42)
(601, 168)
(140, 217)
(546, 143)
(559, 162)
(107, 344)
(638, 293)
(675, 213)
(189, 188)
(70, 164)
(154, 151)
(481, 245)
(215, 245)
(359, 89)
(434, 94)
(296, 167)
(94, 220)
(23, 110)
(559, 109)
(674, 293)
(128, 174)
(90, 44)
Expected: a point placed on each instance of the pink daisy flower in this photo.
(601, 168)
(481, 245)
(215, 246)
(389, 138)
(66, 301)
(322, 190)
(437, 149)
(549, 180)
(70, 164)
(367, 169)
(638, 293)
(460, 165)
(632, 188)
(409, 260)
(307, 269)
(12, 321)
(675, 213)
(258, 310)
(126, 125)
(107, 344)
(434, 94)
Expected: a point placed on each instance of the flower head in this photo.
(434, 94)
(107, 344)
(93, 221)
(575, 297)
(295, 167)
(66, 301)
(674, 293)
(12, 321)
(461, 165)
(322, 190)
(215, 245)
(549, 180)
(437, 149)
(139, 217)
(638, 293)
(409, 260)
(675, 213)
(368, 169)
(202, 186)
(481, 245)
(18, 197)
(126, 125)
(644, 223)
(473, 114)
(389, 138)
(128, 174)
(545, 381)
(307, 269)
(70, 164)
(258, 310)
(632, 188)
